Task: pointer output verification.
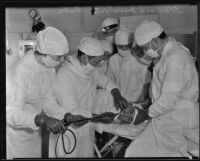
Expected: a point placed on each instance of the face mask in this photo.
(88, 69)
(153, 53)
(49, 62)
(110, 38)
(124, 53)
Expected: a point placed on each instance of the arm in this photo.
(172, 85)
(66, 96)
(15, 101)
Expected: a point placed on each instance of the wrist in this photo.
(39, 120)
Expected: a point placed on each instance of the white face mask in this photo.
(88, 69)
(49, 62)
(110, 38)
(153, 53)
(124, 53)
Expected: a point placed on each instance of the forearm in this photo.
(165, 103)
(20, 118)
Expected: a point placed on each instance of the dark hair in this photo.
(36, 52)
(38, 27)
(162, 35)
(80, 54)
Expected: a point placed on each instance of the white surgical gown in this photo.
(129, 75)
(175, 108)
(75, 93)
(27, 82)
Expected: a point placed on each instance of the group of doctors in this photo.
(108, 71)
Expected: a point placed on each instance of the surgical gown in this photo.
(75, 93)
(174, 93)
(27, 82)
(129, 75)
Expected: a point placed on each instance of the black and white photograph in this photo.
(101, 81)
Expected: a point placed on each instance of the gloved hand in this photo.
(75, 119)
(141, 116)
(145, 104)
(106, 117)
(52, 124)
(119, 101)
(127, 115)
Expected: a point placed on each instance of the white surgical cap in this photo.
(146, 31)
(52, 41)
(107, 46)
(91, 46)
(123, 36)
(109, 21)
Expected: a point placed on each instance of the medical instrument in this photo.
(65, 123)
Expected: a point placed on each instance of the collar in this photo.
(168, 46)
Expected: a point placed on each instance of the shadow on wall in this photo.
(189, 40)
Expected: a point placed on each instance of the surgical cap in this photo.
(146, 31)
(91, 46)
(109, 22)
(52, 41)
(107, 46)
(123, 36)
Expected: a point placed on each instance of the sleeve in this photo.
(52, 107)
(16, 89)
(104, 81)
(145, 80)
(147, 76)
(63, 98)
(172, 85)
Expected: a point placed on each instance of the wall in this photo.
(77, 22)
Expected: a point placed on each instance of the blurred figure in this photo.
(108, 29)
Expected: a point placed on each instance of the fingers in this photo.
(55, 127)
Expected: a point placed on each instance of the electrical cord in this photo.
(62, 134)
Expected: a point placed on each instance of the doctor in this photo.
(27, 83)
(74, 92)
(132, 77)
(174, 93)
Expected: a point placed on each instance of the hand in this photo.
(146, 103)
(75, 119)
(141, 116)
(106, 117)
(52, 124)
(127, 115)
(119, 101)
